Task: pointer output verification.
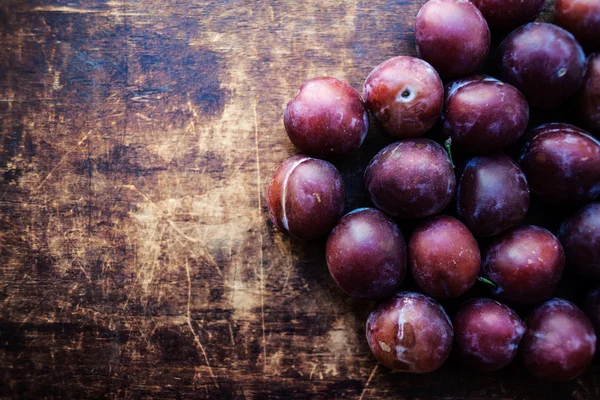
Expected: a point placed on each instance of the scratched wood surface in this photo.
(136, 259)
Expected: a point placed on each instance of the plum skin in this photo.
(506, 15)
(452, 36)
(559, 343)
(587, 99)
(482, 114)
(592, 308)
(549, 127)
(326, 119)
(487, 334)
(444, 257)
(366, 254)
(492, 195)
(544, 62)
(580, 236)
(581, 18)
(410, 332)
(425, 186)
(405, 94)
(562, 164)
(305, 197)
(525, 263)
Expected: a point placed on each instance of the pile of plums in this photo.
(541, 65)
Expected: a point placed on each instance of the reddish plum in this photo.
(410, 332)
(405, 94)
(306, 197)
(482, 114)
(562, 164)
(487, 334)
(526, 264)
(559, 343)
(453, 36)
(326, 119)
(505, 15)
(544, 62)
(581, 18)
(444, 257)
(492, 195)
(592, 309)
(580, 237)
(366, 254)
(412, 178)
(550, 127)
(588, 97)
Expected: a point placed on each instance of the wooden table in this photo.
(136, 259)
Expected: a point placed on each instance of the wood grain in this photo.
(136, 259)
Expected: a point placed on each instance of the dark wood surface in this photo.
(136, 259)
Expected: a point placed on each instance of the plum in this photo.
(581, 18)
(410, 332)
(412, 178)
(444, 257)
(580, 237)
(326, 119)
(482, 114)
(550, 127)
(592, 308)
(366, 254)
(544, 62)
(405, 94)
(559, 343)
(525, 264)
(453, 36)
(562, 164)
(487, 334)
(492, 195)
(306, 197)
(587, 99)
(505, 15)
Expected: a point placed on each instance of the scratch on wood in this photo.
(312, 371)
(368, 382)
(74, 10)
(231, 333)
(206, 255)
(289, 270)
(133, 187)
(179, 231)
(24, 351)
(58, 164)
(185, 134)
(196, 241)
(71, 10)
(32, 310)
(84, 272)
(262, 267)
(143, 267)
(189, 322)
(23, 101)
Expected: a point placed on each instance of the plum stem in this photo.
(447, 144)
(487, 282)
